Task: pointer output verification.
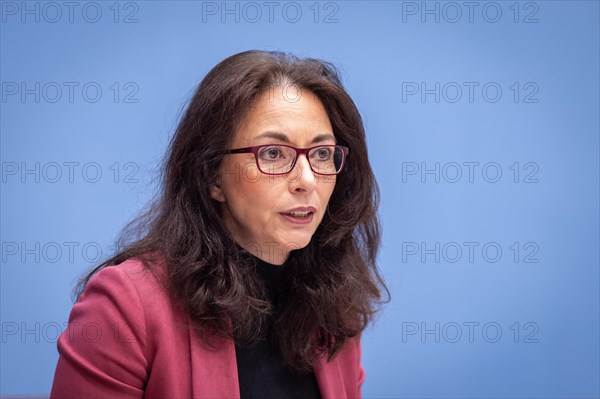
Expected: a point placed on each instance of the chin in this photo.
(296, 241)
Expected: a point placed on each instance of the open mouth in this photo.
(298, 217)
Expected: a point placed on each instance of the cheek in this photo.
(254, 194)
(239, 177)
(326, 187)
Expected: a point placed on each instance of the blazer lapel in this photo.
(329, 377)
(213, 370)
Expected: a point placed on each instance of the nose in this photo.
(301, 177)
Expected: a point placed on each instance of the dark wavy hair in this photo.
(333, 287)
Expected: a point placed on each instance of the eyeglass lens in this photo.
(279, 159)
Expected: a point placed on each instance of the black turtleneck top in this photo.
(261, 371)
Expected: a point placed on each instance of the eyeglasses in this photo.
(279, 159)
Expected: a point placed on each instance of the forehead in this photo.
(299, 117)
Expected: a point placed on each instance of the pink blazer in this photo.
(126, 339)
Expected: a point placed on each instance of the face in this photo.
(255, 205)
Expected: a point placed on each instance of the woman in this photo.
(254, 273)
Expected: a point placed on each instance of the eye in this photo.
(271, 153)
(322, 154)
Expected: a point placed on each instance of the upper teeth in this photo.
(299, 214)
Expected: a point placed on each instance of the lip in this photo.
(294, 220)
(301, 209)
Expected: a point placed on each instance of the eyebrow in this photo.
(282, 137)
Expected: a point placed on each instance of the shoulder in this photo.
(111, 339)
(134, 268)
(127, 304)
(129, 278)
(131, 292)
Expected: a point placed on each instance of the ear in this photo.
(216, 192)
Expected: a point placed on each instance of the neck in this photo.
(273, 254)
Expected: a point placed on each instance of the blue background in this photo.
(543, 299)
